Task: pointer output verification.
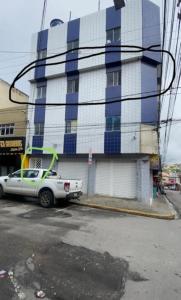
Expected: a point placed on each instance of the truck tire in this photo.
(46, 198)
(1, 192)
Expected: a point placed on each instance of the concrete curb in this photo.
(170, 216)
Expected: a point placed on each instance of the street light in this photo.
(119, 4)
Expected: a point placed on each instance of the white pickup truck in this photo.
(33, 184)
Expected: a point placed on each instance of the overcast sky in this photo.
(20, 18)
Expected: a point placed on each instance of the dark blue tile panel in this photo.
(149, 107)
(73, 30)
(70, 141)
(37, 142)
(73, 33)
(112, 142)
(151, 28)
(112, 58)
(39, 116)
(113, 93)
(113, 18)
(41, 45)
(71, 66)
(42, 40)
(71, 112)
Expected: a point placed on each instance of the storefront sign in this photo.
(12, 145)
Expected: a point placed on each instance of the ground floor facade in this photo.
(119, 176)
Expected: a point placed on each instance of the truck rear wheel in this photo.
(46, 198)
(1, 192)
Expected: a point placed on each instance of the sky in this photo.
(20, 18)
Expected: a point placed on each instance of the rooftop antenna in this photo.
(43, 15)
(70, 16)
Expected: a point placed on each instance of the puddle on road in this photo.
(44, 213)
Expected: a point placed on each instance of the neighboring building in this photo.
(118, 138)
(12, 128)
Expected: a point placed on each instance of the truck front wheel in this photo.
(46, 198)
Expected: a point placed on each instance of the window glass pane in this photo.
(16, 174)
(109, 37)
(72, 85)
(42, 54)
(41, 92)
(110, 79)
(68, 127)
(117, 34)
(116, 123)
(69, 86)
(11, 130)
(3, 131)
(76, 85)
(41, 128)
(73, 44)
(109, 124)
(117, 78)
(73, 126)
(7, 130)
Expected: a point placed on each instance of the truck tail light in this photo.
(66, 186)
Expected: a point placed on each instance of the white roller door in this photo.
(116, 178)
(71, 169)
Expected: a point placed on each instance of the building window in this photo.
(71, 126)
(42, 54)
(114, 78)
(41, 92)
(72, 85)
(6, 129)
(113, 35)
(72, 45)
(113, 123)
(39, 128)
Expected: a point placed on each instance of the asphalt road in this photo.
(73, 252)
(175, 198)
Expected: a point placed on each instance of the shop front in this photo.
(11, 150)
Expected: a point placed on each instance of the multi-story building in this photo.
(108, 146)
(12, 128)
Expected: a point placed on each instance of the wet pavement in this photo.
(73, 252)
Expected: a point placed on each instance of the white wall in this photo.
(92, 87)
(57, 43)
(131, 26)
(92, 33)
(33, 55)
(30, 116)
(55, 115)
(131, 110)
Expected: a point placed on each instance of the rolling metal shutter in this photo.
(116, 178)
(71, 169)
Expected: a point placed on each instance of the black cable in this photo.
(139, 49)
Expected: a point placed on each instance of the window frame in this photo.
(41, 54)
(112, 32)
(72, 45)
(116, 78)
(41, 92)
(70, 127)
(72, 85)
(111, 126)
(39, 129)
(7, 129)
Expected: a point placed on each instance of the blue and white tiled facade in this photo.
(137, 24)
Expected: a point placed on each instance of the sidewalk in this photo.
(160, 208)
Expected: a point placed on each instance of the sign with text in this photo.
(12, 145)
